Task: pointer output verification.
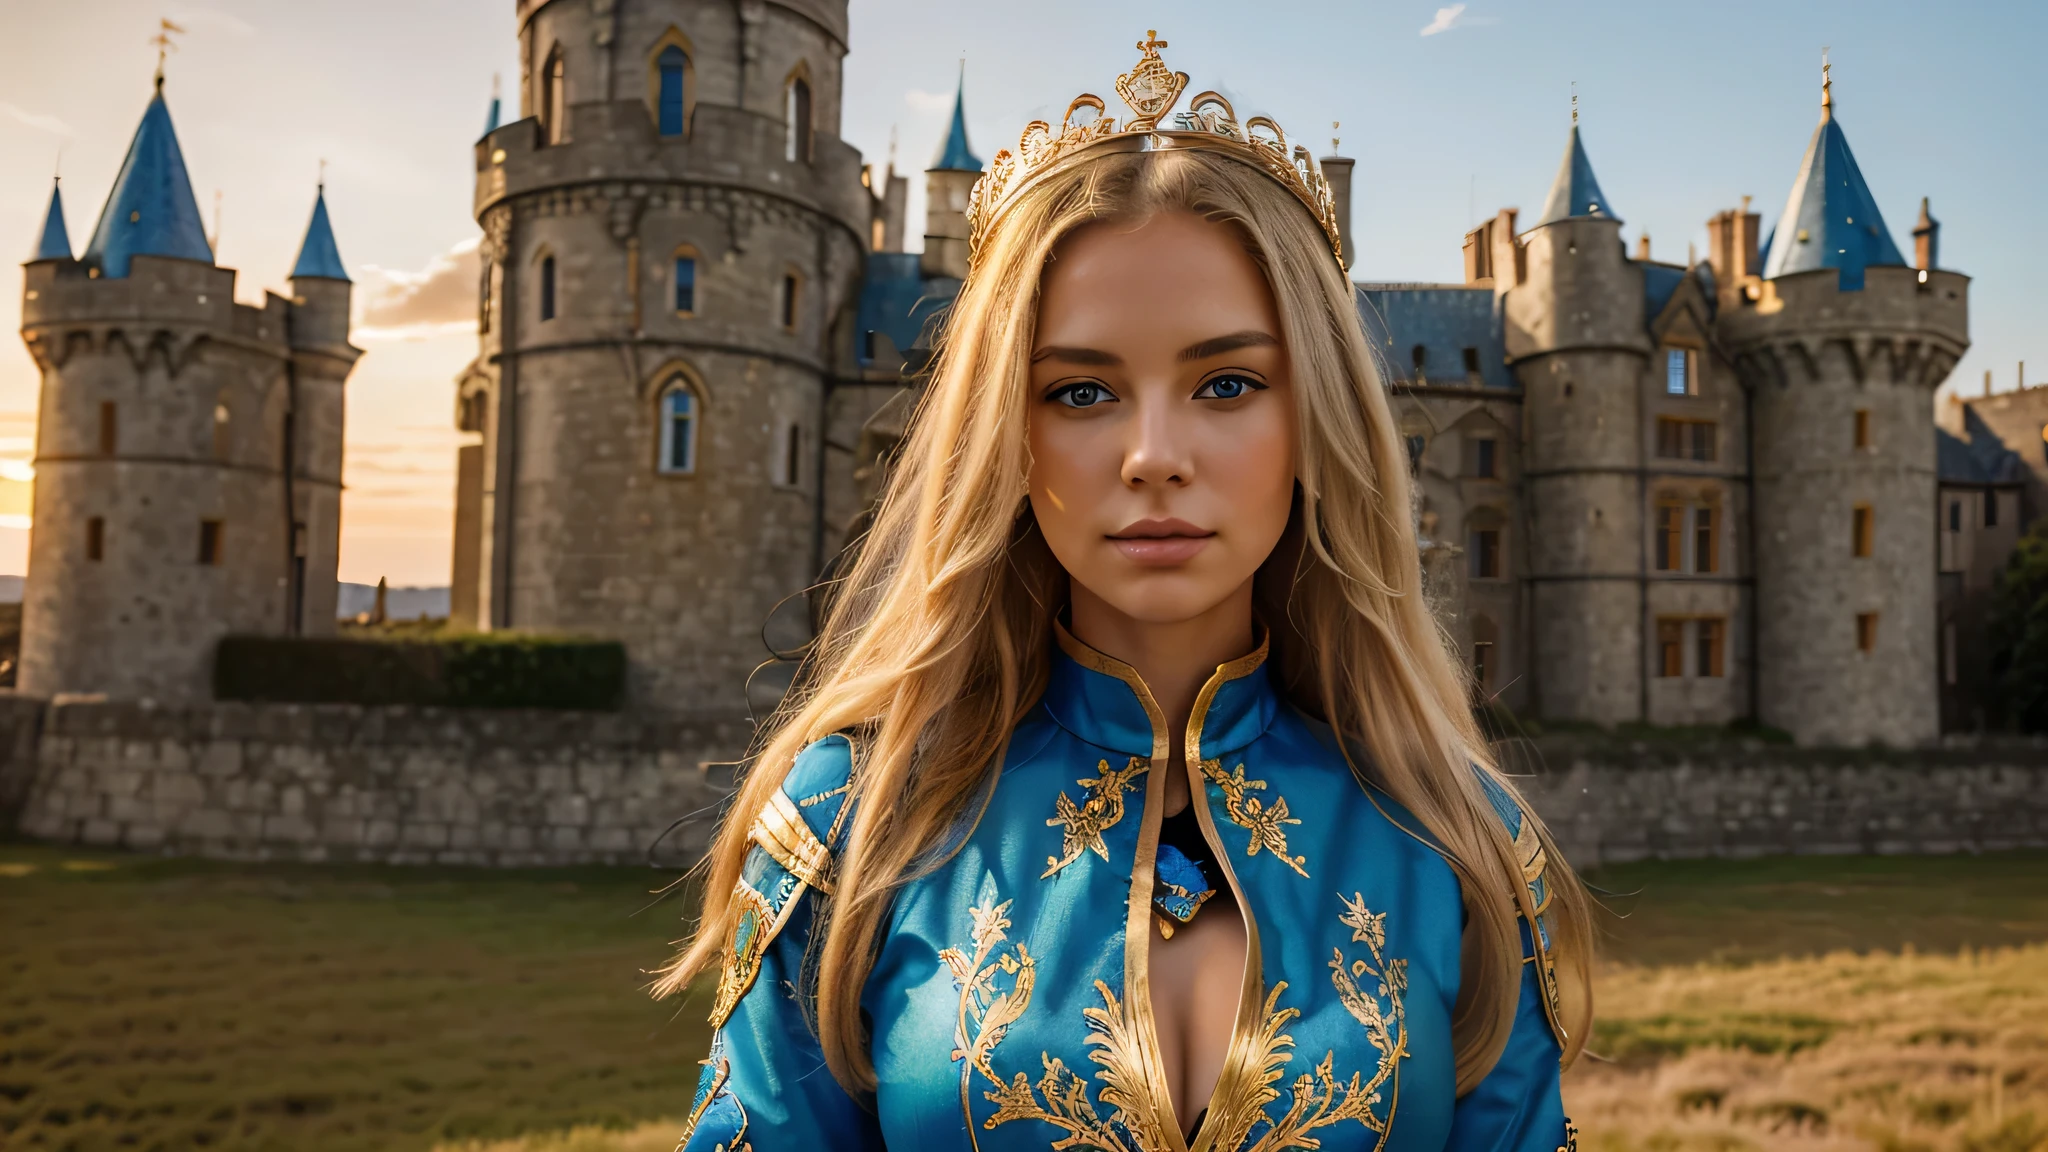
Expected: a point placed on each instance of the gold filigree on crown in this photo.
(1151, 89)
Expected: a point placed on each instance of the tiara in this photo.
(1151, 89)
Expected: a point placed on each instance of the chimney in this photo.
(1643, 246)
(1479, 256)
(1337, 170)
(1987, 383)
(1926, 239)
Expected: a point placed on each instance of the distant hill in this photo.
(399, 603)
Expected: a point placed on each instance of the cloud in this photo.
(1446, 19)
(438, 300)
(36, 120)
(929, 102)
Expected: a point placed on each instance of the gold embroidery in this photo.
(1571, 1137)
(1060, 1097)
(1264, 822)
(781, 830)
(1085, 823)
(754, 923)
(723, 1072)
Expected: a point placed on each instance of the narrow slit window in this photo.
(1484, 465)
(686, 284)
(1991, 509)
(554, 98)
(210, 532)
(799, 119)
(792, 454)
(1709, 639)
(791, 288)
(1955, 516)
(96, 539)
(547, 288)
(1866, 631)
(1863, 428)
(110, 429)
(678, 430)
(1472, 361)
(1861, 530)
(673, 69)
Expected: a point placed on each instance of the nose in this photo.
(1158, 451)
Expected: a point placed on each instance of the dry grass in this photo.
(657, 1136)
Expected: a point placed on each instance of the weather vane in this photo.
(1575, 103)
(164, 46)
(1333, 137)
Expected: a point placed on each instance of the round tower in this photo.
(1841, 346)
(1572, 306)
(165, 513)
(673, 239)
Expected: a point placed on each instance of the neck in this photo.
(1173, 658)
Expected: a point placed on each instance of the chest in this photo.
(1013, 1002)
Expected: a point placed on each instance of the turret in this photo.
(1572, 304)
(320, 285)
(54, 242)
(1926, 239)
(948, 183)
(1841, 346)
(151, 210)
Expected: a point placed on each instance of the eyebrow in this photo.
(1214, 346)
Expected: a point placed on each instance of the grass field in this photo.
(182, 1005)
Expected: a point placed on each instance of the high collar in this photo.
(1104, 701)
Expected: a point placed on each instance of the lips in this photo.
(1161, 543)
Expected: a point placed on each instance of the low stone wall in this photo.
(402, 785)
(1610, 801)
(398, 785)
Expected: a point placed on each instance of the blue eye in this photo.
(1227, 388)
(1085, 394)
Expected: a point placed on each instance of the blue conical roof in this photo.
(151, 211)
(491, 121)
(1575, 192)
(55, 242)
(1830, 220)
(317, 255)
(954, 155)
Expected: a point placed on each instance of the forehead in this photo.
(1173, 278)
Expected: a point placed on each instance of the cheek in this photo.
(1256, 462)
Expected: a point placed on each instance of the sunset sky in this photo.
(1452, 111)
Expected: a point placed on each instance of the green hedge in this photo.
(485, 670)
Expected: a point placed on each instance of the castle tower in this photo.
(1841, 346)
(1573, 311)
(948, 184)
(674, 235)
(188, 448)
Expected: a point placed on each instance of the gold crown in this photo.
(1151, 90)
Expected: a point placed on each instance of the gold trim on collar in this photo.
(1096, 661)
(781, 831)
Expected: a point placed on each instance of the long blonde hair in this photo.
(936, 643)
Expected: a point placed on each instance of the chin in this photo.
(1166, 599)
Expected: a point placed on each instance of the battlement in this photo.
(1921, 316)
(158, 291)
(726, 145)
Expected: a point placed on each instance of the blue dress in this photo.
(1009, 1003)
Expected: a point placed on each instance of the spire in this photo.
(151, 210)
(491, 122)
(954, 155)
(318, 256)
(55, 242)
(1827, 89)
(1575, 192)
(1830, 219)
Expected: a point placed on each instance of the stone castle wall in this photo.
(418, 786)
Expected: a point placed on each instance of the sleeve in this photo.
(765, 1084)
(1518, 1106)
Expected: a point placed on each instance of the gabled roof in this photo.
(55, 242)
(151, 211)
(317, 255)
(1575, 192)
(953, 154)
(1977, 456)
(1444, 321)
(1831, 219)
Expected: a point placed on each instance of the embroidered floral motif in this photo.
(1060, 1097)
(1318, 1099)
(717, 1113)
(1264, 822)
(1571, 1137)
(1085, 823)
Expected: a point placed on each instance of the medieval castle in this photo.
(1649, 492)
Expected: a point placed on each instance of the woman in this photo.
(1132, 801)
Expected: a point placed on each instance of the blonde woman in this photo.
(1132, 801)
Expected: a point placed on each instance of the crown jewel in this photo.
(1150, 89)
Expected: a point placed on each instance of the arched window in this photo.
(547, 287)
(554, 94)
(671, 79)
(686, 281)
(798, 118)
(678, 416)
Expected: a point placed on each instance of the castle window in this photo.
(672, 73)
(792, 454)
(1948, 652)
(554, 98)
(223, 429)
(1670, 647)
(798, 119)
(1695, 440)
(1991, 509)
(678, 415)
(110, 431)
(1866, 631)
(1472, 361)
(1670, 537)
(686, 281)
(485, 293)
(547, 287)
(878, 234)
(1863, 428)
(1861, 530)
(1680, 379)
(786, 303)
(1955, 515)
(1485, 650)
(1709, 646)
(1705, 541)
(1420, 356)
(1484, 549)
(96, 539)
(210, 543)
(1484, 463)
